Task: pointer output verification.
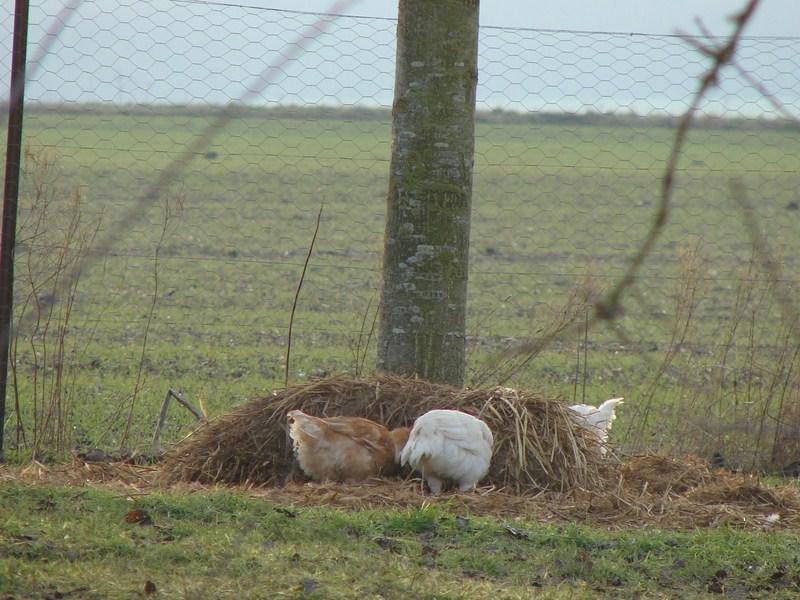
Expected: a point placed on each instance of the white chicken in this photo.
(449, 446)
(344, 448)
(597, 419)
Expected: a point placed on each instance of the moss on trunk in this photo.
(422, 323)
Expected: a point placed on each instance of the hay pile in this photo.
(733, 501)
(651, 490)
(537, 445)
(720, 499)
(543, 466)
(657, 474)
(682, 493)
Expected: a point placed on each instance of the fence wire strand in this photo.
(251, 125)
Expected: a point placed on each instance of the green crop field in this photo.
(193, 249)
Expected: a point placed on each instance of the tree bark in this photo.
(426, 247)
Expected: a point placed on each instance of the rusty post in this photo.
(16, 100)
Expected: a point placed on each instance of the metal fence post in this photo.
(16, 99)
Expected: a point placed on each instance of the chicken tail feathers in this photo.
(416, 450)
(606, 413)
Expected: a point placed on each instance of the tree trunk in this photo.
(426, 252)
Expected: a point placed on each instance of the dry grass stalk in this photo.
(564, 319)
(688, 293)
(54, 234)
(537, 445)
(786, 445)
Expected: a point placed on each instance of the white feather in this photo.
(597, 419)
(449, 445)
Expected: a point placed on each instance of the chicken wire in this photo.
(209, 135)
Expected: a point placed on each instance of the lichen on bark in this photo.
(426, 248)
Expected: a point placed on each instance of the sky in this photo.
(774, 17)
(532, 56)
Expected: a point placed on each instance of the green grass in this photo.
(552, 202)
(218, 544)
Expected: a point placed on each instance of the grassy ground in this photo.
(553, 202)
(80, 542)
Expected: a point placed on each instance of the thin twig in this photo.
(563, 326)
(296, 296)
(585, 355)
(140, 376)
(577, 372)
(363, 345)
(792, 120)
(369, 339)
(361, 336)
(162, 417)
(179, 399)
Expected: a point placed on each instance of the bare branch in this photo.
(608, 307)
(162, 417)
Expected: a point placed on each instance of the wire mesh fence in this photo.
(177, 156)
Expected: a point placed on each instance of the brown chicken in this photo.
(345, 448)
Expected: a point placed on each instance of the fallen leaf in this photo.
(138, 516)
